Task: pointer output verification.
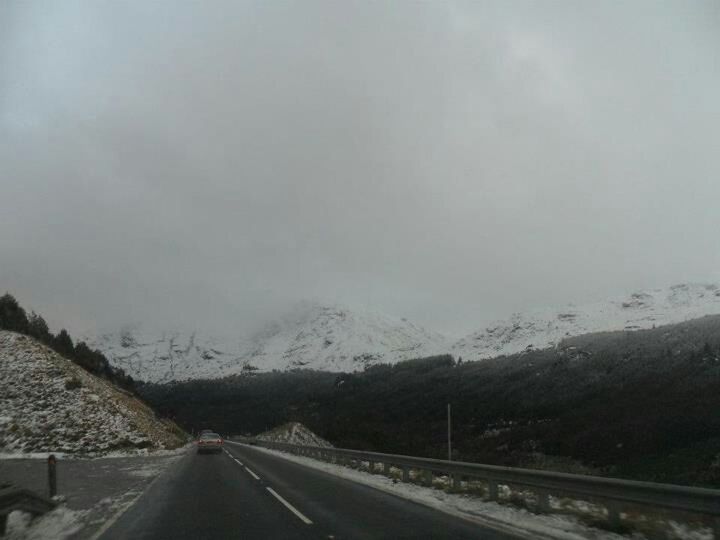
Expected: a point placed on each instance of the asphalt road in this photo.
(245, 493)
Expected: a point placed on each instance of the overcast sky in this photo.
(210, 163)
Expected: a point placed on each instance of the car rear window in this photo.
(209, 436)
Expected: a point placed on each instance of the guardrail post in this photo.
(386, 469)
(543, 501)
(455, 482)
(52, 475)
(428, 478)
(613, 515)
(371, 467)
(406, 474)
(492, 490)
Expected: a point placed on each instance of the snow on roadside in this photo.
(99, 491)
(516, 520)
(56, 525)
(139, 452)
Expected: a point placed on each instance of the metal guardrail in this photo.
(14, 498)
(615, 494)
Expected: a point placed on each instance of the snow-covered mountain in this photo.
(333, 338)
(311, 337)
(337, 339)
(546, 328)
(50, 404)
(164, 356)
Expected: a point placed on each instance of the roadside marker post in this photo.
(52, 475)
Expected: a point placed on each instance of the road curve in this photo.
(245, 493)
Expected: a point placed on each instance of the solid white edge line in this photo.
(290, 507)
(255, 476)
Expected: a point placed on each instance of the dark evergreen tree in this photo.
(38, 328)
(12, 316)
(63, 344)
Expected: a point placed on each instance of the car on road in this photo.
(209, 442)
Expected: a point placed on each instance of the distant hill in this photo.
(50, 404)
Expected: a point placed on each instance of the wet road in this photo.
(245, 493)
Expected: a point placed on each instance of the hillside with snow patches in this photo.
(294, 433)
(310, 337)
(50, 404)
(333, 338)
(544, 328)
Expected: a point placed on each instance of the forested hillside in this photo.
(14, 318)
(643, 404)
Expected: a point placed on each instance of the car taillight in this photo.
(219, 441)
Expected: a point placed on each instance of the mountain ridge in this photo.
(542, 328)
(337, 339)
(312, 336)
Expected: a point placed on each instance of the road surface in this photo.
(245, 493)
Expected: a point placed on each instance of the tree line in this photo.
(14, 318)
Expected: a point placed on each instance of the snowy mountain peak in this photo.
(169, 355)
(547, 327)
(311, 336)
(334, 338)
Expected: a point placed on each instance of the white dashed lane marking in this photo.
(290, 507)
(274, 493)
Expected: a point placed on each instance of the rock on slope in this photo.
(546, 328)
(49, 404)
(311, 337)
(294, 433)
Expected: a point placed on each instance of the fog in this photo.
(209, 164)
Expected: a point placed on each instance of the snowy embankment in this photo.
(93, 493)
(49, 404)
(512, 519)
(294, 433)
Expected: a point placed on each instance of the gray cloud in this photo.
(208, 164)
